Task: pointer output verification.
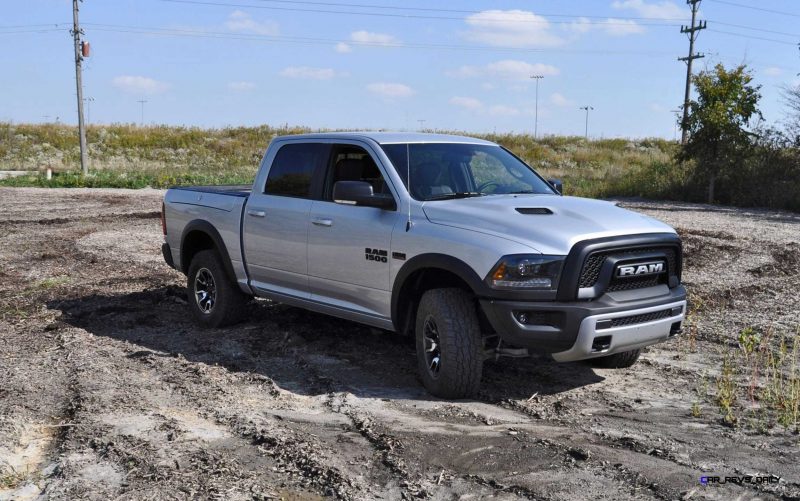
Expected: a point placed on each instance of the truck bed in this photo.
(233, 190)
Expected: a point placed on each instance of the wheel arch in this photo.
(201, 235)
(424, 272)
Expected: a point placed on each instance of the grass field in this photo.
(127, 156)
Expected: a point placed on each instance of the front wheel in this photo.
(215, 300)
(449, 344)
(618, 360)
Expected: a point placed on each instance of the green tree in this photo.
(718, 122)
(791, 98)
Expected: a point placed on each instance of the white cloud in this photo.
(610, 26)
(390, 90)
(559, 100)
(242, 22)
(342, 47)
(370, 38)
(477, 106)
(469, 103)
(139, 85)
(503, 110)
(511, 28)
(308, 73)
(509, 69)
(621, 27)
(664, 9)
(773, 71)
(657, 108)
(241, 86)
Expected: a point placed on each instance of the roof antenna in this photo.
(408, 179)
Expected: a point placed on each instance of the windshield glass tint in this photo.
(443, 170)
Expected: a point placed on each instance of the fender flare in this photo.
(436, 261)
(202, 226)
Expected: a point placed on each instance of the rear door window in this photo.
(292, 171)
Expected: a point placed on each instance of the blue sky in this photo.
(387, 64)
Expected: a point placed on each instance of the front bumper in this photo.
(569, 330)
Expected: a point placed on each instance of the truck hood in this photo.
(552, 225)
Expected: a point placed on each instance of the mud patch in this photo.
(785, 262)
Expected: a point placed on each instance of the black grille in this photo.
(640, 319)
(626, 284)
(591, 267)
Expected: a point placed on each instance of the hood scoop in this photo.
(534, 210)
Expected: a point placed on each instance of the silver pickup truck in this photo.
(451, 239)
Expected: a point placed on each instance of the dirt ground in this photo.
(108, 390)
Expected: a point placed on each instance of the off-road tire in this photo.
(618, 360)
(228, 305)
(455, 315)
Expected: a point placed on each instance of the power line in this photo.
(457, 11)
(601, 20)
(751, 28)
(329, 41)
(752, 37)
(607, 22)
(31, 25)
(32, 31)
(762, 9)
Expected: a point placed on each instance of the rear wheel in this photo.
(618, 360)
(215, 300)
(449, 344)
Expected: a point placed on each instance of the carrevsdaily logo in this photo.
(640, 269)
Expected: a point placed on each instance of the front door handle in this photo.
(256, 213)
(319, 221)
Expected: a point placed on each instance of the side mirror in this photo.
(557, 184)
(361, 193)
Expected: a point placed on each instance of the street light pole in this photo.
(536, 113)
(677, 118)
(586, 131)
(142, 101)
(88, 101)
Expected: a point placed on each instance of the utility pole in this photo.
(536, 119)
(421, 124)
(76, 35)
(586, 132)
(142, 101)
(693, 31)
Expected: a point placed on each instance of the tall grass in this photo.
(758, 386)
(127, 156)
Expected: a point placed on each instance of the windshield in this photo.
(441, 171)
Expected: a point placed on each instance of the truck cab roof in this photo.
(392, 137)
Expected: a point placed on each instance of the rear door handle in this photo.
(256, 213)
(319, 221)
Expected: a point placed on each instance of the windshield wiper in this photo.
(523, 192)
(458, 194)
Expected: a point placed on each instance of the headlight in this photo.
(526, 272)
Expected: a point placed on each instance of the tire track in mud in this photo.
(598, 450)
(58, 221)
